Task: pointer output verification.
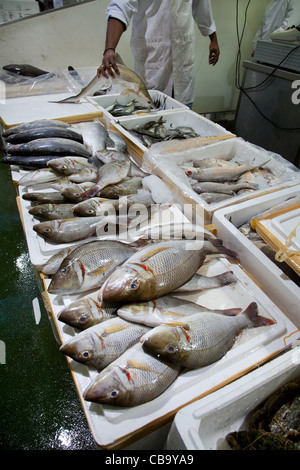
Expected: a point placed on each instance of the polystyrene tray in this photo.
(282, 290)
(116, 427)
(204, 424)
(282, 226)
(102, 102)
(167, 167)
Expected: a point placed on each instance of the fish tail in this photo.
(218, 248)
(227, 278)
(251, 313)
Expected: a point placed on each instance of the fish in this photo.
(125, 187)
(164, 310)
(42, 175)
(212, 162)
(133, 379)
(25, 69)
(67, 230)
(201, 339)
(54, 197)
(104, 342)
(85, 175)
(52, 211)
(220, 174)
(116, 142)
(109, 173)
(44, 132)
(95, 135)
(89, 265)
(75, 192)
(157, 270)
(53, 263)
(214, 198)
(87, 311)
(29, 162)
(34, 125)
(200, 283)
(69, 165)
(212, 187)
(50, 146)
(91, 207)
(127, 79)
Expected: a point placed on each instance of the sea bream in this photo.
(133, 379)
(201, 339)
(87, 311)
(89, 265)
(104, 342)
(157, 270)
(166, 309)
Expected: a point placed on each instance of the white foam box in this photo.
(204, 424)
(120, 427)
(172, 119)
(104, 101)
(167, 167)
(282, 290)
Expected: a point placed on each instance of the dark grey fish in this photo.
(50, 211)
(28, 162)
(35, 125)
(44, 197)
(42, 133)
(50, 146)
(25, 69)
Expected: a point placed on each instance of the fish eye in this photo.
(85, 354)
(47, 229)
(82, 319)
(114, 393)
(188, 172)
(171, 349)
(90, 211)
(134, 286)
(63, 270)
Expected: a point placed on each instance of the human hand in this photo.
(109, 66)
(214, 50)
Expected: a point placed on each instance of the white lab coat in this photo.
(276, 16)
(162, 41)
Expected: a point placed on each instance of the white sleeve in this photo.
(122, 10)
(202, 14)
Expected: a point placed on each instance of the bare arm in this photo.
(115, 29)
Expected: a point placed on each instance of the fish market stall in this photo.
(122, 267)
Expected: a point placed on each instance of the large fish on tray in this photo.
(34, 125)
(133, 379)
(127, 79)
(89, 265)
(44, 133)
(52, 211)
(157, 270)
(103, 343)
(49, 146)
(202, 338)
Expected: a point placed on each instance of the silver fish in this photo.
(42, 175)
(104, 342)
(52, 211)
(213, 198)
(133, 379)
(125, 187)
(166, 309)
(201, 339)
(200, 283)
(109, 173)
(213, 162)
(87, 311)
(116, 142)
(127, 79)
(88, 266)
(54, 262)
(220, 174)
(157, 270)
(89, 174)
(91, 207)
(54, 197)
(69, 165)
(75, 192)
(212, 187)
(68, 230)
(95, 136)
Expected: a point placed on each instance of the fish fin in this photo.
(230, 312)
(257, 320)
(101, 270)
(154, 252)
(111, 329)
(176, 323)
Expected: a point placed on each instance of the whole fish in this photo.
(157, 270)
(95, 135)
(109, 173)
(210, 162)
(200, 283)
(69, 165)
(87, 311)
(52, 211)
(29, 162)
(42, 175)
(75, 192)
(68, 230)
(54, 197)
(84, 175)
(214, 198)
(50, 146)
(104, 342)
(126, 187)
(201, 339)
(212, 187)
(89, 265)
(42, 133)
(133, 379)
(24, 69)
(166, 309)
(91, 207)
(220, 174)
(34, 125)
(108, 156)
(127, 79)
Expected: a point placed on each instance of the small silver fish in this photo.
(52, 211)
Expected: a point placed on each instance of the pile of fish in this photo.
(134, 107)
(154, 131)
(218, 179)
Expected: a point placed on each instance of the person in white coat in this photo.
(162, 42)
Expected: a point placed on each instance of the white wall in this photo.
(75, 36)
